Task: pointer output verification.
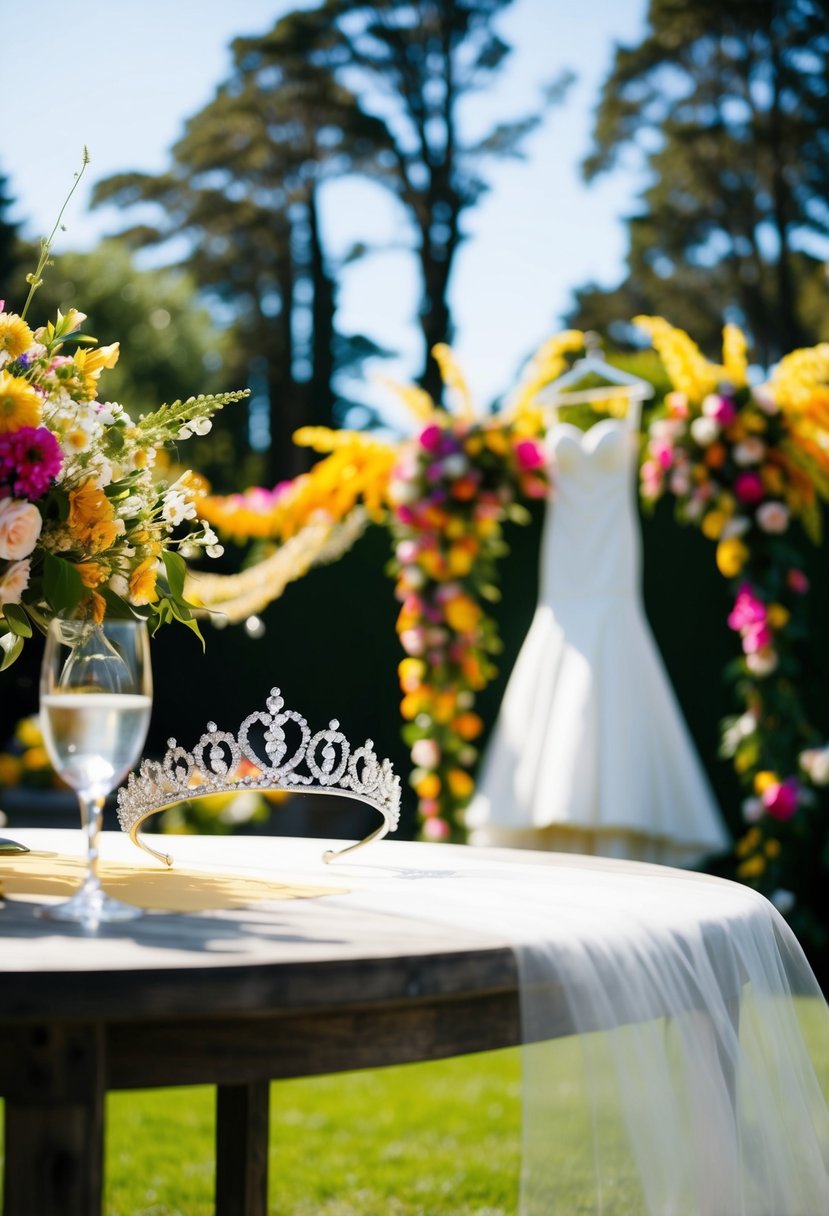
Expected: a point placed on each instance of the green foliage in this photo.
(730, 100)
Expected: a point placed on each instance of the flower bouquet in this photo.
(85, 520)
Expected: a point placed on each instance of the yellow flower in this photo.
(689, 370)
(732, 555)
(15, 335)
(734, 355)
(777, 616)
(462, 614)
(90, 364)
(764, 781)
(142, 589)
(752, 867)
(427, 786)
(772, 848)
(91, 520)
(713, 524)
(19, 403)
(748, 842)
(9, 769)
(28, 732)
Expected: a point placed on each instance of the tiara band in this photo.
(223, 763)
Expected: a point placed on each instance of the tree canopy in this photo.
(728, 103)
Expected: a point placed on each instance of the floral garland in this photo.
(744, 464)
(444, 494)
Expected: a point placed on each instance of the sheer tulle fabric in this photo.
(694, 1016)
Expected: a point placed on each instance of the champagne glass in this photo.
(95, 700)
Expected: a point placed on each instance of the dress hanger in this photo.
(565, 390)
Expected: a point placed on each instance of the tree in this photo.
(412, 63)
(170, 345)
(10, 246)
(730, 100)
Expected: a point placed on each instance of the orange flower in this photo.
(715, 456)
(460, 783)
(468, 726)
(92, 574)
(91, 521)
(444, 708)
(96, 607)
(427, 786)
(142, 589)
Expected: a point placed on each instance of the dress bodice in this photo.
(590, 545)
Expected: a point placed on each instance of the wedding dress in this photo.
(590, 753)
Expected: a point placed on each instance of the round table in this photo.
(357, 978)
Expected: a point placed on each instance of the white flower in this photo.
(753, 809)
(783, 900)
(14, 582)
(680, 482)
(403, 492)
(130, 506)
(119, 585)
(762, 663)
(455, 466)
(773, 517)
(201, 426)
(20, 525)
(704, 431)
(177, 508)
(184, 433)
(764, 398)
(738, 525)
(750, 451)
(815, 764)
(215, 550)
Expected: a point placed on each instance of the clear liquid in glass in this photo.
(93, 738)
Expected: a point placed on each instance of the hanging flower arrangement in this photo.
(444, 494)
(746, 465)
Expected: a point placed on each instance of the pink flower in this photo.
(20, 525)
(30, 460)
(749, 488)
(429, 807)
(797, 581)
(773, 517)
(436, 829)
(663, 454)
(756, 637)
(425, 754)
(14, 582)
(529, 455)
(431, 437)
(413, 641)
(780, 799)
(651, 479)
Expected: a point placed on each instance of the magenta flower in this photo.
(749, 488)
(756, 637)
(529, 455)
(30, 460)
(719, 408)
(798, 581)
(430, 437)
(780, 799)
(749, 611)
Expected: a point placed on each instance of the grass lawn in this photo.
(439, 1139)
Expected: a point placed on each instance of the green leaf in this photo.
(10, 645)
(62, 584)
(17, 620)
(176, 568)
(117, 609)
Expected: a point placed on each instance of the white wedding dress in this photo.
(590, 753)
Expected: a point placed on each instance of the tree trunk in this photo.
(321, 405)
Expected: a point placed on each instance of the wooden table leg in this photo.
(242, 1126)
(54, 1135)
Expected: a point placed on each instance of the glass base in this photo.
(90, 907)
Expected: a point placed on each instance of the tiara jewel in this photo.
(295, 760)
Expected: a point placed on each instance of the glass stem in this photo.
(92, 808)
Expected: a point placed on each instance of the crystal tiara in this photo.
(224, 763)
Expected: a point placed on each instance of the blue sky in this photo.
(122, 78)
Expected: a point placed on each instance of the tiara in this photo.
(223, 763)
